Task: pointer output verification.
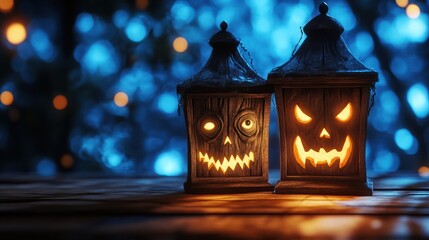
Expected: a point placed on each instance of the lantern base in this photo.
(324, 187)
(214, 188)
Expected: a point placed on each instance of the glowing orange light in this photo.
(413, 11)
(16, 33)
(142, 4)
(6, 5)
(324, 133)
(60, 102)
(180, 44)
(6, 98)
(209, 126)
(402, 3)
(322, 156)
(345, 114)
(67, 161)
(225, 163)
(227, 140)
(121, 99)
(301, 116)
(424, 171)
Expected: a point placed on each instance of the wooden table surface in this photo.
(82, 208)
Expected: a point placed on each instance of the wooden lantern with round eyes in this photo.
(322, 96)
(227, 110)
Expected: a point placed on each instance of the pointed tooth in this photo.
(240, 162)
(251, 157)
(329, 161)
(217, 165)
(225, 165)
(210, 161)
(246, 160)
(232, 162)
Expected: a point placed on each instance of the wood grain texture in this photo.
(81, 208)
(322, 105)
(322, 97)
(228, 110)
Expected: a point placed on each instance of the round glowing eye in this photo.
(247, 124)
(209, 126)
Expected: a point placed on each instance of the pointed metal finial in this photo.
(224, 26)
(323, 8)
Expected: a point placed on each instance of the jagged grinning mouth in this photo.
(227, 164)
(322, 156)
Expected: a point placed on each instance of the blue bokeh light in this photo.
(42, 45)
(399, 67)
(136, 30)
(169, 163)
(418, 99)
(101, 58)
(386, 161)
(84, 22)
(120, 18)
(138, 80)
(206, 18)
(404, 139)
(344, 14)
(112, 158)
(364, 44)
(403, 30)
(167, 103)
(390, 104)
(93, 117)
(182, 13)
(46, 167)
(25, 51)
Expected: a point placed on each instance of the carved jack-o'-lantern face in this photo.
(228, 136)
(322, 130)
(322, 155)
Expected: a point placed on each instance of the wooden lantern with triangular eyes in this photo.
(322, 96)
(227, 111)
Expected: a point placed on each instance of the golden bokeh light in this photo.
(413, 11)
(180, 44)
(142, 4)
(60, 102)
(16, 33)
(121, 99)
(424, 171)
(6, 5)
(67, 161)
(402, 3)
(6, 98)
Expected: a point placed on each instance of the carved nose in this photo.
(325, 134)
(227, 140)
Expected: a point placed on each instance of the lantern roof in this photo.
(225, 70)
(323, 52)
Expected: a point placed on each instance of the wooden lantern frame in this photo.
(323, 62)
(232, 184)
(357, 184)
(226, 76)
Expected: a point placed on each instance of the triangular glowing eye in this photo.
(301, 116)
(345, 114)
